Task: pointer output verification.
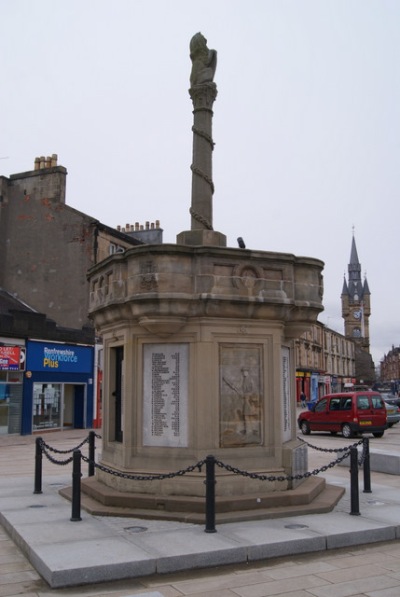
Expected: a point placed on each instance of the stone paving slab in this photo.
(99, 549)
(381, 461)
(110, 551)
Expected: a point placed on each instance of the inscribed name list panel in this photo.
(241, 394)
(165, 395)
(286, 400)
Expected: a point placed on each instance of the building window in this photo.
(46, 405)
(114, 248)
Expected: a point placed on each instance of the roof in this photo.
(10, 303)
(17, 319)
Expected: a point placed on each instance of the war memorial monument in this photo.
(198, 354)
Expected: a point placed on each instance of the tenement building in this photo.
(390, 369)
(325, 362)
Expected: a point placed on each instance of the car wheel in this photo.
(378, 434)
(346, 431)
(305, 428)
(390, 424)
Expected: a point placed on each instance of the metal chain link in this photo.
(146, 477)
(158, 477)
(54, 460)
(347, 448)
(43, 445)
(306, 475)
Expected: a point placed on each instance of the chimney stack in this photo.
(42, 162)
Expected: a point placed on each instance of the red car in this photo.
(349, 413)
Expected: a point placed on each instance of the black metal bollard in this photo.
(367, 466)
(210, 495)
(92, 449)
(76, 486)
(355, 503)
(38, 466)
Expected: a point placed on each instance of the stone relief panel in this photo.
(148, 278)
(247, 276)
(241, 394)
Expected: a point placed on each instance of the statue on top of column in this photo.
(204, 61)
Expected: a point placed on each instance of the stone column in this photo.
(203, 92)
(203, 97)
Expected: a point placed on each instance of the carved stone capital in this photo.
(203, 96)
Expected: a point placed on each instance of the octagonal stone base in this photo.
(197, 361)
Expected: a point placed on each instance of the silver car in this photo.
(393, 414)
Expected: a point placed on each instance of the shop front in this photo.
(58, 387)
(12, 362)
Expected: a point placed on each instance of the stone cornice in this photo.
(147, 283)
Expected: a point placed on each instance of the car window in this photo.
(363, 403)
(377, 402)
(346, 404)
(334, 404)
(320, 406)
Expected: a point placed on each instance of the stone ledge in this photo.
(314, 496)
(381, 461)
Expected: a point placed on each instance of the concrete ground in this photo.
(324, 555)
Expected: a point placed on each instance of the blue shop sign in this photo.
(62, 358)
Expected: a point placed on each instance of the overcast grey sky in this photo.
(306, 123)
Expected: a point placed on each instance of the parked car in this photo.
(390, 398)
(349, 413)
(393, 413)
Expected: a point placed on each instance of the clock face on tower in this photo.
(357, 314)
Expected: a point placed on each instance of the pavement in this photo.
(336, 554)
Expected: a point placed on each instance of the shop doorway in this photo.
(117, 367)
(58, 406)
(10, 402)
(74, 406)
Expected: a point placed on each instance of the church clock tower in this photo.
(356, 310)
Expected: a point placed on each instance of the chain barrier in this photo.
(47, 447)
(281, 478)
(345, 449)
(146, 477)
(210, 462)
(54, 460)
(161, 476)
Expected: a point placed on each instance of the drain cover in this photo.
(135, 529)
(296, 526)
(37, 506)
